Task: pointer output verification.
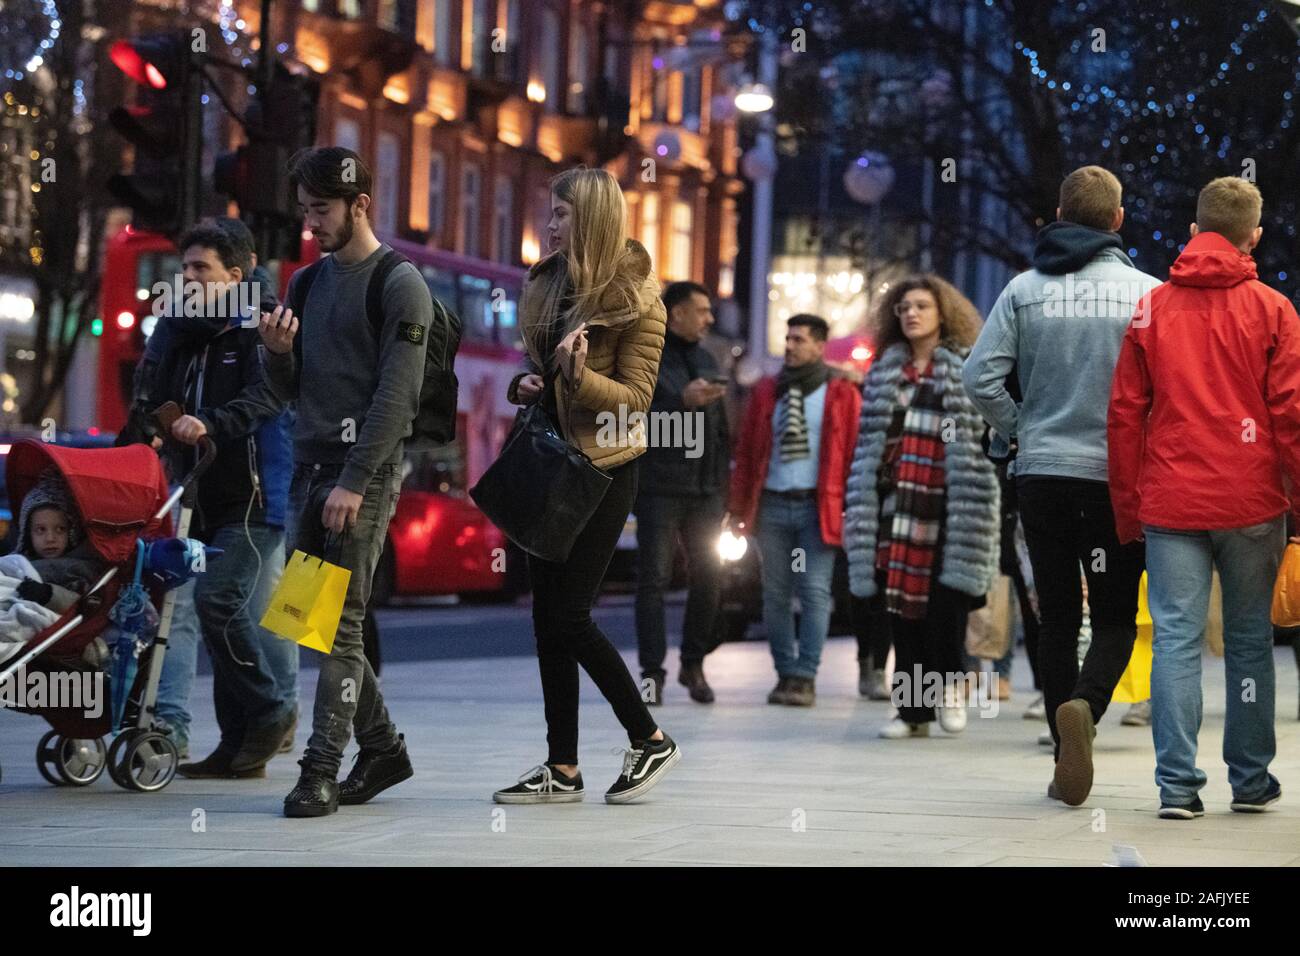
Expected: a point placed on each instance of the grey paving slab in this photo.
(758, 785)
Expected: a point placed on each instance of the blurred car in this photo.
(440, 543)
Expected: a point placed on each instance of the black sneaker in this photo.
(374, 772)
(263, 743)
(644, 765)
(1185, 811)
(543, 784)
(1261, 803)
(316, 795)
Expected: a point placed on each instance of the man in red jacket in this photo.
(1204, 422)
(792, 464)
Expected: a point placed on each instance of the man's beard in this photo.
(344, 238)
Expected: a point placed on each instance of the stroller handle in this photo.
(165, 414)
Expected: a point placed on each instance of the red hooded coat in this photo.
(1205, 404)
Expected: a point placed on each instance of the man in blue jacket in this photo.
(1058, 328)
(210, 361)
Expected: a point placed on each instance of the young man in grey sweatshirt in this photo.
(1058, 328)
(357, 394)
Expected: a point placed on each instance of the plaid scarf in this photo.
(912, 512)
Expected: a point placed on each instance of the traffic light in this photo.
(280, 121)
(165, 127)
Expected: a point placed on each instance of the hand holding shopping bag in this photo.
(308, 603)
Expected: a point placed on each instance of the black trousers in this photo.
(660, 521)
(563, 594)
(1068, 522)
(935, 645)
(871, 627)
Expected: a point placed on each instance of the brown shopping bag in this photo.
(1135, 683)
(1286, 590)
(307, 605)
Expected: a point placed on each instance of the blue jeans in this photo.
(243, 688)
(1179, 568)
(281, 655)
(179, 665)
(783, 525)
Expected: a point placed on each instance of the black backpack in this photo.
(435, 419)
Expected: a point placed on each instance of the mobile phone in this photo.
(719, 380)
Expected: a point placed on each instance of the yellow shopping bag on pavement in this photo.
(1135, 683)
(1286, 590)
(307, 605)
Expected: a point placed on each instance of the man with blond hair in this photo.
(1204, 422)
(1053, 337)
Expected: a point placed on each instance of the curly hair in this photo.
(959, 320)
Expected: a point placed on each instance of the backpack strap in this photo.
(375, 289)
(299, 286)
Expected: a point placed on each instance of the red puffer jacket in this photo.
(754, 451)
(1205, 403)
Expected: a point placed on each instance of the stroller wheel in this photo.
(148, 762)
(80, 762)
(115, 751)
(47, 757)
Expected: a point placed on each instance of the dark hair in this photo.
(230, 249)
(330, 172)
(676, 293)
(817, 327)
(238, 229)
(959, 320)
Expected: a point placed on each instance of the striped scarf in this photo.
(912, 513)
(791, 386)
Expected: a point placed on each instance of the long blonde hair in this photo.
(597, 241)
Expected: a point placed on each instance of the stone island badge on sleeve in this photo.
(410, 332)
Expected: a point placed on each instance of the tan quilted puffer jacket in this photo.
(622, 366)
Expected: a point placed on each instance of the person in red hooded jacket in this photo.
(1204, 424)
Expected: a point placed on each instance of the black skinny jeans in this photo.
(936, 645)
(1068, 522)
(563, 594)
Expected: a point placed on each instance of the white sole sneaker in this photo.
(526, 798)
(898, 729)
(642, 788)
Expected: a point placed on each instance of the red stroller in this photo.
(122, 496)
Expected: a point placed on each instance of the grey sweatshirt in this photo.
(356, 395)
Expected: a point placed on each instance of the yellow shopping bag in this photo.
(1135, 683)
(1286, 590)
(307, 605)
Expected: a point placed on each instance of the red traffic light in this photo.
(134, 64)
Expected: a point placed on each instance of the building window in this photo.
(650, 225)
(679, 256)
(692, 87)
(469, 199)
(388, 172)
(552, 79)
(350, 9)
(347, 133)
(311, 6)
(437, 195)
(442, 31)
(579, 67)
(481, 40)
(503, 216)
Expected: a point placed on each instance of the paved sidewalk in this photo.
(757, 785)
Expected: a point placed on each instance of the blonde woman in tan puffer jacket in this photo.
(593, 326)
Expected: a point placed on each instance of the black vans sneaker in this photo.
(1261, 803)
(1183, 811)
(643, 766)
(543, 784)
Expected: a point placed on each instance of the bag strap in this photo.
(375, 289)
(299, 287)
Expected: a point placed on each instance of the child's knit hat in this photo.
(50, 491)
